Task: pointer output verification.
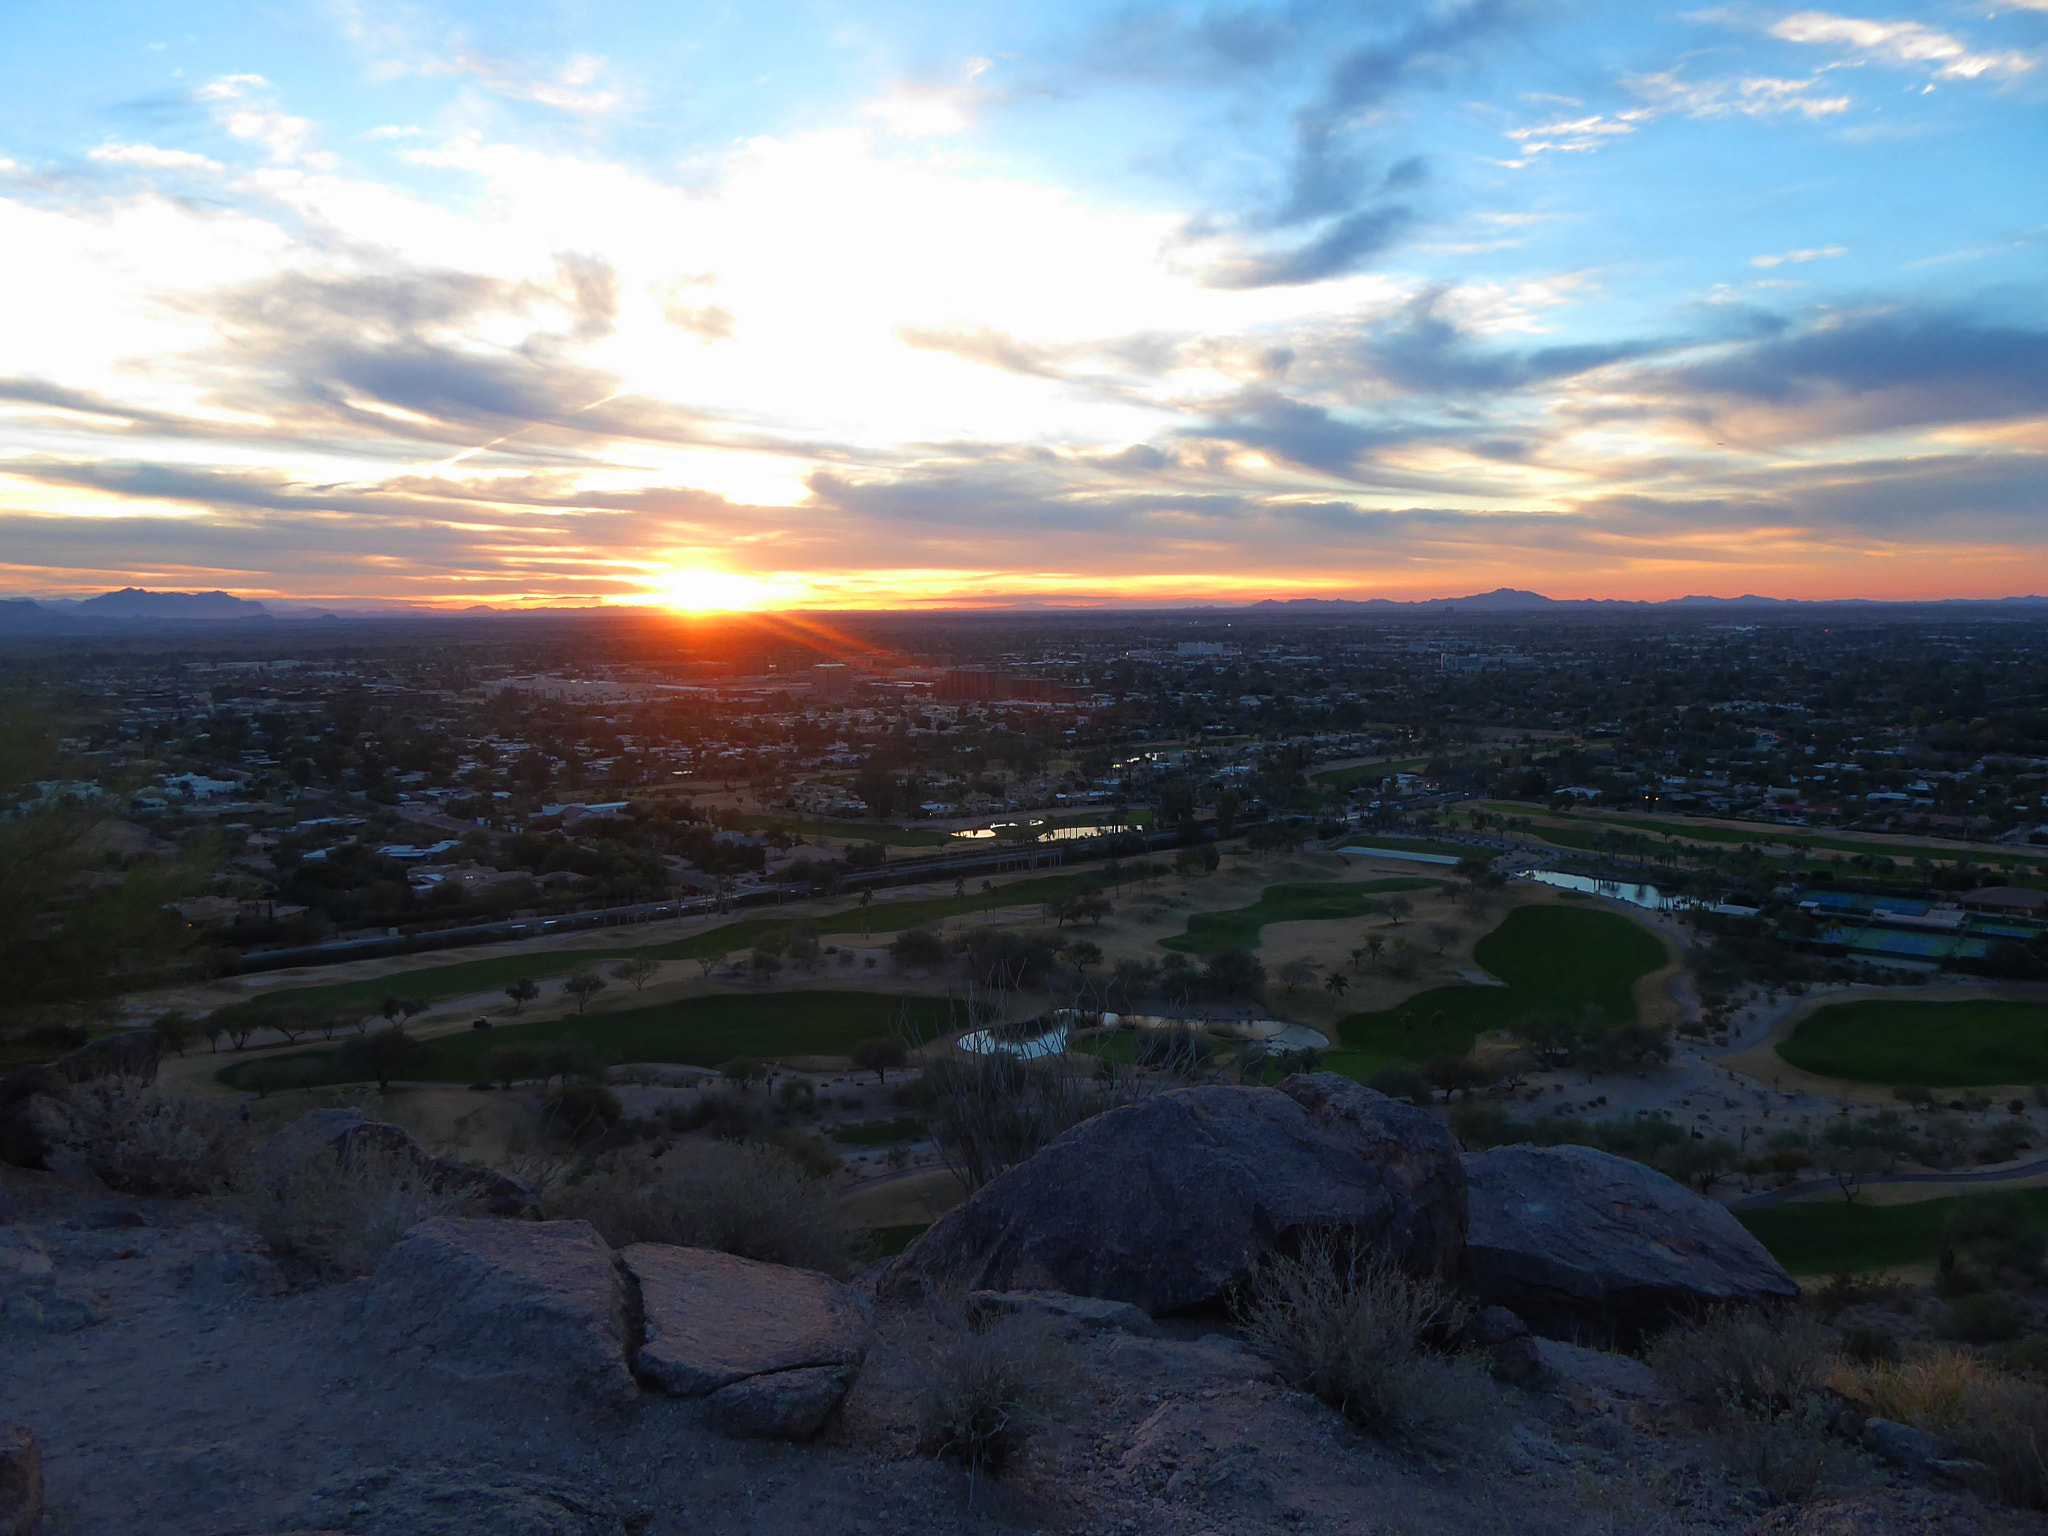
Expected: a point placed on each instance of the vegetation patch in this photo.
(1210, 933)
(699, 1032)
(1931, 1044)
(441, 982)
(1821, 1237)
(881, 1133)
(1558, 960)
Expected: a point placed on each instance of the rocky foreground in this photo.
(498, 1375)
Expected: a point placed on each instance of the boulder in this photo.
(27, 1129)
(1072, 1314)
(349, 1135)
(711, 1319)
(1903, 1445)
(783, 1405)
(1590, 1247)
(21, 1482)
(489, 1300)
(1169, 1202)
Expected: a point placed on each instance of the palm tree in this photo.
(867, 898)
(1335, 983)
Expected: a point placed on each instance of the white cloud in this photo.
(241, 108)
(151, 157)
(1757, 96)
(1816, 253)
(910, 110)
(1907, 44)
(1578, 135)
(576, 88)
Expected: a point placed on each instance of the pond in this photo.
(1049, 834)
(1647, 896)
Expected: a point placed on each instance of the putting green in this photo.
(1552, 959)
(1210, 933)
(1932, 1044)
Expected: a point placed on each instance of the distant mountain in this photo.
(1514, 600)
(136, 603)
(21, 616)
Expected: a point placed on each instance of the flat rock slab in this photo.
(1169, 1202)
(489, 1300)
(783, 1405)
(455, 1501)
(1586, 1246)
(712, 1319)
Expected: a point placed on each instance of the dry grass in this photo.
(138, 1138)
(1990, 1415)
(988, 1384)
(1352, 1329)
(746, 1200)
(1758, 1384)
(339, 1214)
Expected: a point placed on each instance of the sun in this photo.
(702, 590)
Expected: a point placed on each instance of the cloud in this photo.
(1341, 248)
(150, 157)
(912, 110)
(1816, 253)
(1751, 96)
(1905, 44)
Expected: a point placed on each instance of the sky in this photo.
(903, 303)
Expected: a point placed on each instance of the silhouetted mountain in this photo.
(136, 603)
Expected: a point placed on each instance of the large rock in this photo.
(21, 1482)
(1590, 1247)
(433, 1500)
(1169, 1202)
(783, 1405)
(489, 1300)
(711, 1319)
(350, 1137)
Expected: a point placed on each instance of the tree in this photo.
(392, 1008)
(384, 1054)
(1453, 1074)
(583, 986)
(1232, 971)
(765, 961)
(1081, 954)
(917, 949)
(507, 1064)
(1443, 935)
(577, 1109)
(1336, 983)
(638, 971)
(744, 1071)
(867, 900)
(1398, 907)
(1296, 974)
(522, 992)
(176, 1030)
(879, 1055)
(1400, 1080)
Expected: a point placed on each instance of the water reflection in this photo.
(1050, 834)
(1647, 896)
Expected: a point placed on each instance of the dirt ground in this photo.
(192, 1394)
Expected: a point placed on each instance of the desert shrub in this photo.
(581, 1108)
(339, 1214)
(1748, 1360)
(138, 1138)
(1479, 1126)
(1354, 1330)
(796, 1095)
(1758, 1383)
(808, 1153)
(1990, 1415)
(1869, 1346)
(1844, 1290)
(1986, 1317)
(1400, 1080)
(988, 1384)
(748, 1200)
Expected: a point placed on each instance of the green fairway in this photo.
(1364, 773)
(1818, 1237)
(1553, 959)
(438, 983)
(851, 831)
(1210, 933)
(699, 1032)
(1933, 1044)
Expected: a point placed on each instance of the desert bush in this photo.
(339, 1214)
(1354, 1330)
(1990, 1415)
(1401, 1080)
(1844, 1290)
(1869, 1346)
(811, 1155)
(748, 1200)
(138, 1138)
(1986, 1317)
(988, 1384)
(1758, 1382)
(796, 1096)
(581, 1109)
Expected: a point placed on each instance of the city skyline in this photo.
(907, 306)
